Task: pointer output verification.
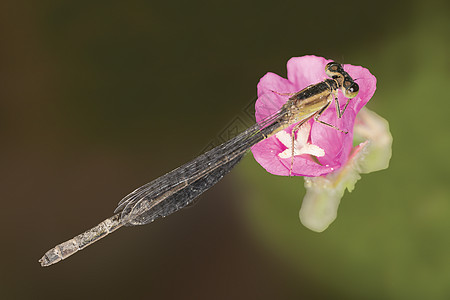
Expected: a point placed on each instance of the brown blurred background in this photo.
(100, 97)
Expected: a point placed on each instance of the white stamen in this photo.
(301, 145)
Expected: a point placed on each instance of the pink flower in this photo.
(330, 147)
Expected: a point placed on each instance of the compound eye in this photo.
(350, 89)
(332, 66)
(333, 69)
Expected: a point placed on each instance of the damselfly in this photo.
(178, 188)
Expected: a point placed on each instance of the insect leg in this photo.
(316, 118)
(345, 107)
(338, 109)
(291, 94)
(295, 129)
(284, 94)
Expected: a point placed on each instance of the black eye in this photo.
(332, 66)
(350, 89)
(334, 70)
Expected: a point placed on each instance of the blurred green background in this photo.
(99, 97)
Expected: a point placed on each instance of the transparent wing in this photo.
(178, 188)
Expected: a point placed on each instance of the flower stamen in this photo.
(301, 145)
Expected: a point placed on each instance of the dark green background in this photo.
(99, 97)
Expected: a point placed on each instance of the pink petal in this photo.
(367, 85)
(337, 145)
(269, 102)
(306, 70)
(266, 154)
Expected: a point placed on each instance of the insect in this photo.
(178, 188)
